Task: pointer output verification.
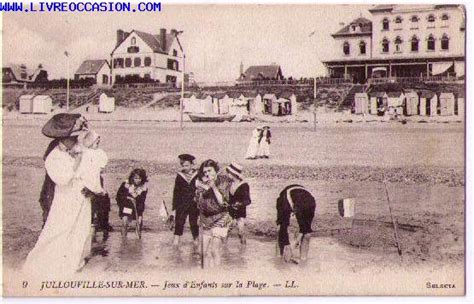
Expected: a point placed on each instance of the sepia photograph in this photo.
(154, 149)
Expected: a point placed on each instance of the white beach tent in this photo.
(26, 103)
(428, 103)
(412, 103)
(361, 103)
(42, 104)
(106, 103)
(446, 101)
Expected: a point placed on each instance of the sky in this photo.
(216, 38)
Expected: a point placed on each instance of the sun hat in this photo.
(186, 157)
(235, 169)
(60, 125)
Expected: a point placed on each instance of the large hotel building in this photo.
(401, 41)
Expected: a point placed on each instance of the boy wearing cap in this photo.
(239, 198)
(297, 200)
(183, 199)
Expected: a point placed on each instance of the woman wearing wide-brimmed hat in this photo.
(239, 198)
(252, 150)
(65, 239)
(264, 142)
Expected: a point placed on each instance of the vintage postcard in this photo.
(152, 149)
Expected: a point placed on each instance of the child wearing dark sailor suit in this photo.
(297, 200)
(239, 198)
(183, 199)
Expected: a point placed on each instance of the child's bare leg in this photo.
(304, 247)
(124, 225)
(206, 239)
(216, 250)
(176, 240)
(241, 230)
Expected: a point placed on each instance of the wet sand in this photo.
(430, 212)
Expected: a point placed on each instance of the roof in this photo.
(382, 7)
(446, 95)
(394, 94)
(29, 75)
(234, 94)
(287, 94)
(219, 95)
(411, 93)
(427, 94)
(360, 94)
(365, 28)
(250, 94)
(262, 71)
(91, 67)
(153, 41)
(378, 94)
(269, 96)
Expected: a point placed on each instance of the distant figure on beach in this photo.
(183, 199)
(60, 126)
(252, 150)
(131, 197)
(212, 197)
(264, 142)
(297, 200)
(239, 199)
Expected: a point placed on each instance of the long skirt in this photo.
(264, 149)
(65, 240)
(252, 149)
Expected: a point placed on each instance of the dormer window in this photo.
(175, 53)
(430, 43)
(431, 18)
(362, 47)
(445, 42)
(398, 44)
(414, 18)
(133, 41)
(385, 24)
(346, 48)
(445, 17)
(385, 45)
(398, 20)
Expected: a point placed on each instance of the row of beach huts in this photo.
(423, 103)
(240, 104)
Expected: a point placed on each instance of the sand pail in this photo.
(346, 207)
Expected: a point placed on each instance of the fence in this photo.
(412, 79)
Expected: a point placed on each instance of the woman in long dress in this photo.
(253, 144)
(264, 143)
(65, 240)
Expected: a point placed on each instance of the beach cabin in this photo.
(189, 103)
(378, 102)
(293, 108)
(205, 104)
(428, 103)
(395, 102)
(106, 103)
(239, 104)
(220, 103)
(42, 104)
(446, 101)
(254, 103)
(412, 103)
(459, 107)
(268, 100)
(26, 104)
(361, 103)
(281, 107)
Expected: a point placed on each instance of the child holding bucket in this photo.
(297, 200)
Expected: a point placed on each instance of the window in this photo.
(105, 79)
(118, 63)
(362, 47)
(147, 61)
(445, 42)
(398, 44)
(445, 17)
(147, 76)
(431, 18)
(414, 18)
(430, 43)
(175, 53)
(346, 48)
(128, 62)
(414, 44)
(398, 20)
(385, 45)
(173, 65)
(133, 41)
(137, 61)
(385, 24)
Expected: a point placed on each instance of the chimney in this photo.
(163, 38)
(241, 68)
(120, 37)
